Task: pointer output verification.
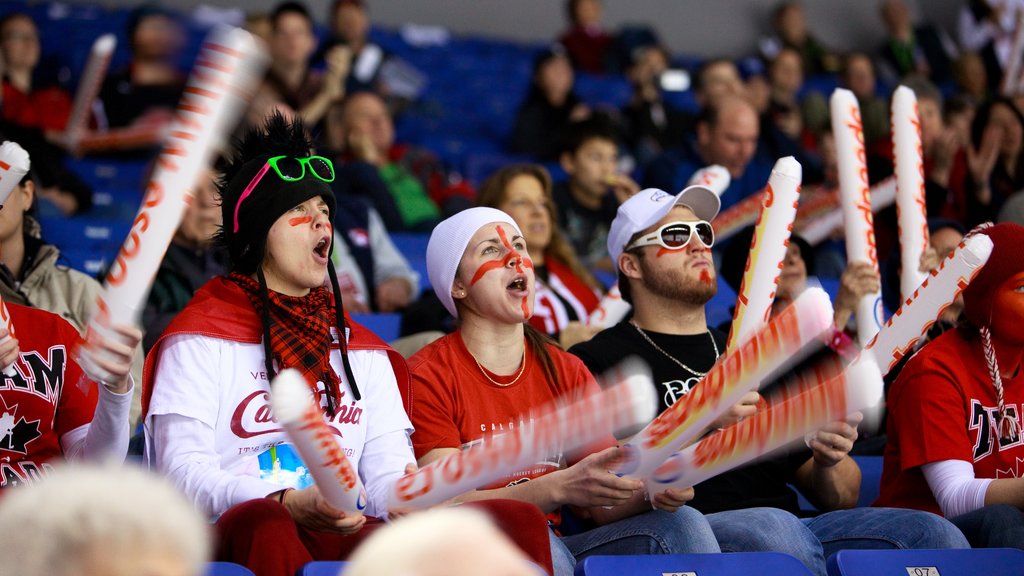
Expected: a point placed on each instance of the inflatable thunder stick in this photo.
(819, 400)
(317, 443)
(628, 402)
(854, 196)
(225, 74)
(912, 219)
(88, 88)
(767, 251)
(935, 294)
(734, 375)
(5, 317)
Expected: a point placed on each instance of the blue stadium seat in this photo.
(870, 478)
(761, 563)
(387, 327)
(227, 569)
(321, 569)
(988, 561)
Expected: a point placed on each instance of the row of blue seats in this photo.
(969, 562)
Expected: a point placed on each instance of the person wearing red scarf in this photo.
(206, 407)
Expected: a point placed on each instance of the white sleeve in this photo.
(183, 449)
(388, 262)
(956, 489)
(387, 448)
(108, 434)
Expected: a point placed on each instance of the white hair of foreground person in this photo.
(93, 520)
(440, 542)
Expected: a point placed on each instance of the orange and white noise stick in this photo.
(611, 310)
(629, 401)
(818, 227)
(911, 213)
(715, 177)
(1012, 77)
(923, 308)
(819, 400)
(224, 76)
(5, 317)
(88, 87)
(855, 198)
(317, 443)
(737, 373)
(767, 251)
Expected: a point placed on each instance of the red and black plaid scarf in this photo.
(300, 332)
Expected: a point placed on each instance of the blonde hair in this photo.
(79, 512)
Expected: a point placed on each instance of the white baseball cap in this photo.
(14, 164)
(447, 244)
(646, 207)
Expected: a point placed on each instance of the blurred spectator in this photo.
(986, 28)
(290, 81)
(790, 26)
(924, 49)
(30, 99)
(717, 79)
(970, 76)
(549, 108)
(566, 293)
(587, 201)
(944, 236)
(30, 274)
(586, 41)
(149, 87)
(373, 67)
(652, 124)
(858, 76)
(191, 260)
(102, 521)
(727, 134)
(995, 159)
(372, 274)
(440, 542)
(408, 185)
(783, 130)
(35, 112)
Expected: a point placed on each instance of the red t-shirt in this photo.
(943, 407)
(49, 397)
(45, 109)
(452, 404)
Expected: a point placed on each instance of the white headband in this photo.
(447, 244)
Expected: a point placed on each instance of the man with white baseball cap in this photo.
(662, 245)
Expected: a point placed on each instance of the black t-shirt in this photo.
(586, 228)
(762, 483)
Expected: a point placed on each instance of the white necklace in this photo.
(673, 358)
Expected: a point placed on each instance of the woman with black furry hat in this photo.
(207, 380)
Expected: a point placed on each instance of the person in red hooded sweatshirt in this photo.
(206, 408)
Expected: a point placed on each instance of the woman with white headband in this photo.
(495, 368)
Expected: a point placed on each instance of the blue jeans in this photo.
(997, 526)
(656, 532)
(812, 540)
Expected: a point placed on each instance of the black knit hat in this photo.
(246, 221)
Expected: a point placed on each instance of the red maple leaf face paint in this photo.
(512, 257)
(1008, 311)
(706, 278)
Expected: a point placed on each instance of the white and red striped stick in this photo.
(627, 403)
(225, 75)
(911, 213)
(1011, 76)
(611, 310)
(316, 442)
(733, 376)
(854, 195)
(767, 251)
(5, 317)
(820, 398)
(88, 87)
(923, 308)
